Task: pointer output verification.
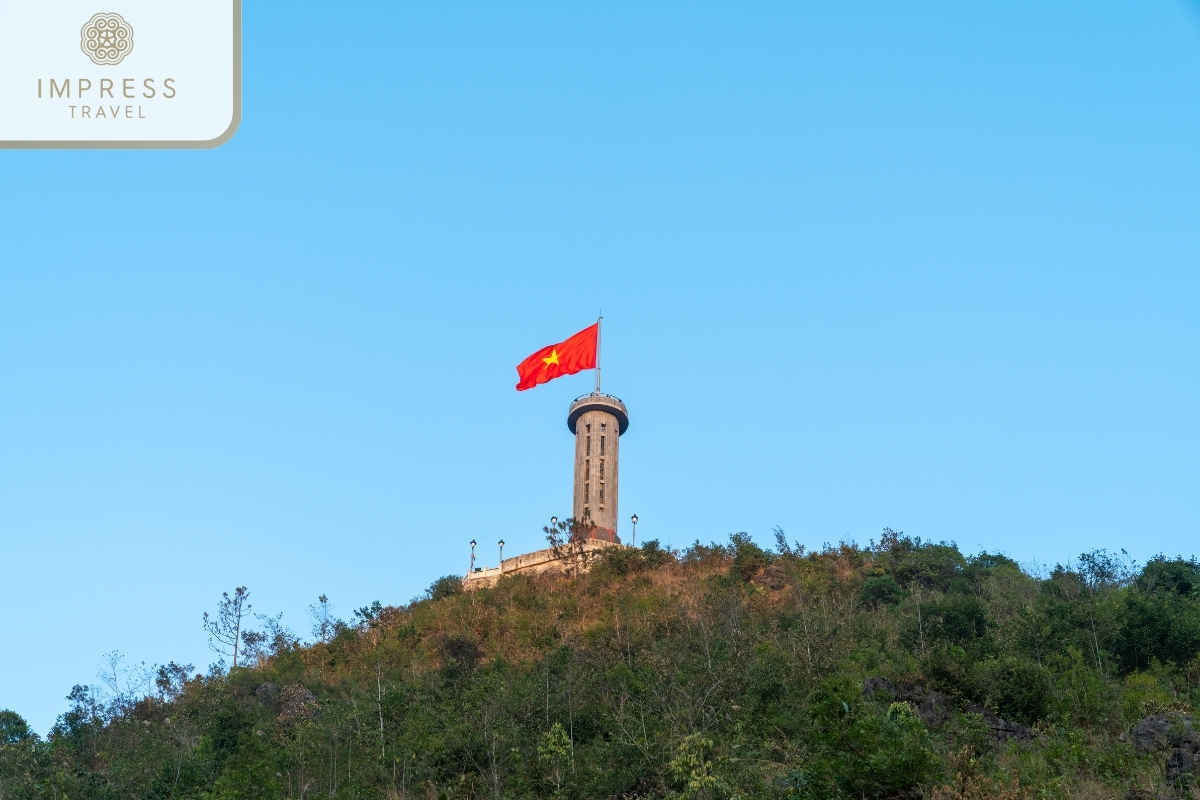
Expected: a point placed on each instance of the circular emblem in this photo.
(106, 39)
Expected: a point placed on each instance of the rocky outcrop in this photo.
(268, 695)
(771, 577)
(1178, 735)
(934, 708)
(1158, 732)
(873, 686)
(296, 704)
(1183, 762)
(1002, 729)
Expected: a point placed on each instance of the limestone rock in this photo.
(1182, 764)
(268, 695)
(879, 686)
(934, 708)
(297, 704)
(1159, 732)
(1001, 729)
(1179, 736)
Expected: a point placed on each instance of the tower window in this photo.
(587, 470)
(601, 444)
(587, 493)
(601, 468)
(602, 495)
(589, 446)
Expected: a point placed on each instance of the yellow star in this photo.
(552, 359)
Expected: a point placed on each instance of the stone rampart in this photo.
(569, 559)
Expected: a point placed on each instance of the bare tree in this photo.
(568, 539)
(113, 675)
(254, 647)
(258, 646)
(226, 627)
(324, 623)
(184, 739)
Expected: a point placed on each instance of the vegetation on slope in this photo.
(718, 672)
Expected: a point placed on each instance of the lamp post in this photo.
(471, 571)
(501, 556)
(633, 519)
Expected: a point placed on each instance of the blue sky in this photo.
(929, 265)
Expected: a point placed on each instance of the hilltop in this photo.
(899, 669)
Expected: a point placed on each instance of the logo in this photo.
(106, 39)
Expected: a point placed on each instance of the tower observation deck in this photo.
(597, 420)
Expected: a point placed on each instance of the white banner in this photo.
(120, 73)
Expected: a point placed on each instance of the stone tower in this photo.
(597, 420)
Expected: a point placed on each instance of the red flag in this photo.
(565, 358)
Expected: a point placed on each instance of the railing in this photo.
(597, 394)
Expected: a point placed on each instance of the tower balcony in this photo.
(598, 402)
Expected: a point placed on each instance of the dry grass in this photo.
(980, 788)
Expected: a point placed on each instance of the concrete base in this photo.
(605, 535)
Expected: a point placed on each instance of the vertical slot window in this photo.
(587, 494)
(601, 469)
(602, 495)
(589, 447)
(587, 470)
(602, 444)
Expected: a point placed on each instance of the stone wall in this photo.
(537, 562)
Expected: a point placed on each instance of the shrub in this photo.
(748, 558)
(959, 619)
(1162, 626)
(1142, 695)
(881, 590)
(1017, 688)
(916, 563)
(447, 586)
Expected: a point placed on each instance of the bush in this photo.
(1157, 623)
(1174, 576)
(748, 558)
(653, 553)
(447, 586)
(885, 754)
(620, 561)
(959, 618)
(1143, 695)
(881, 590)
(1017, 688)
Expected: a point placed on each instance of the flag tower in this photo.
(596, 419)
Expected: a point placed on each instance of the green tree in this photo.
(554, 751)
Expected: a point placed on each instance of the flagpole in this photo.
(598, 322)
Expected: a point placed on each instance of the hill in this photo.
(901, 669)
